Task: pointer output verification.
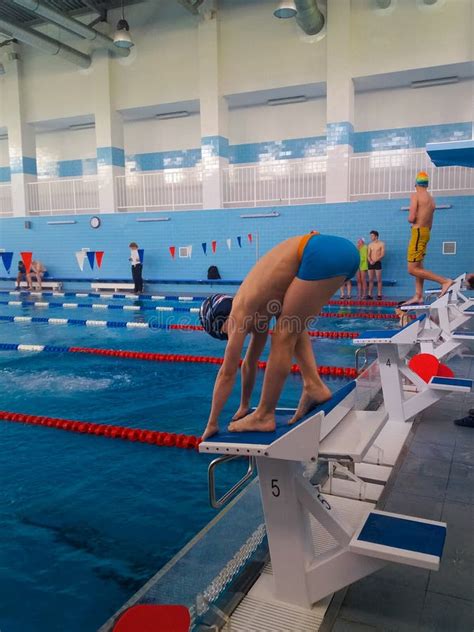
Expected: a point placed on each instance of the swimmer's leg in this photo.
(303, 300)
(371, 283)
(315, 390)
(416, 269)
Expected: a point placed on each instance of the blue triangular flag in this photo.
(141, 254)
(239, 241)
(91, 258)
(204, 247)
(7, 258)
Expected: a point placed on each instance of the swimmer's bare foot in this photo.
(241, 413)
(445, 287)
(310, 398)
(210, 430)
(415, 300)
(255, 422)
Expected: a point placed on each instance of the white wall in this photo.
(153, 135)
(4, 158)
(53, 147)
(258, 51)
(264, 123)
(407, 107)
(409, 36)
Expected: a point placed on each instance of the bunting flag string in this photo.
(99, 255)
(172, 250)
(27, 258)
(214, 246)
(204, 247)
(141, 254)
(239, 241)
(91, 258)
(250, 238)
(229, 243)
(7, 258)
(81, 257)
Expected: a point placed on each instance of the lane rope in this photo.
(334, 371)
(184, 298)
(154, 437)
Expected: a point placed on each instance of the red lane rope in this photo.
(335, 371)
(154, 437)
(362, 303)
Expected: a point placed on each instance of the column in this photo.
(214, 134)
(340, 102)
(21, 136)
(109, 135)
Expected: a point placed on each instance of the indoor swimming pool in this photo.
(93, 515)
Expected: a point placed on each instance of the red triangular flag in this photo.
(99, 254)
(26, 257)
(250, 237)
(214, 245)
(172, 251)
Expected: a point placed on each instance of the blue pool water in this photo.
(85, 521)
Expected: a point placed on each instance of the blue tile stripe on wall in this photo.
(340, 133)
(5, 174)
(294, 148)
(110, 156)
(23, 164)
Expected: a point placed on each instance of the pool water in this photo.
(86, 520)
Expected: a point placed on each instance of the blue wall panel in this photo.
(55, 245)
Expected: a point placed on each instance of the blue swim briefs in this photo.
(326, 257)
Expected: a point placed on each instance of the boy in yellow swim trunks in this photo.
(422, 207)
(292, 282)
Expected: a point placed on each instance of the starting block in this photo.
(404, 401)
(443, 334)
(307, 565)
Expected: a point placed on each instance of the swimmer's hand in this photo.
(210, 430)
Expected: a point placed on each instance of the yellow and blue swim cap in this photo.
(422, 179)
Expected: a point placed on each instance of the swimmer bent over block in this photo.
(422, 208)
(292, 282)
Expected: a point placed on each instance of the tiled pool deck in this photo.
(435, 480)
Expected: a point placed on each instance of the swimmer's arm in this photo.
(382, 251)
(413, 208)
(250, 366)
(225, 379)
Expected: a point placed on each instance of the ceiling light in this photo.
(77, 126)
(442, 81)
(122, 37)
(287, 100)
(172, 115)
(286, 9)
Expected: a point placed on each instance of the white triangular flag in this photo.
(81, 257)
(229, 243)
(190, 251)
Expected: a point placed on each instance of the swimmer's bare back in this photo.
(269, 279)
(425, 207)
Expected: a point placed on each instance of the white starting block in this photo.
(98, 286)
(443, 334)
(404, 402)
(320, 544)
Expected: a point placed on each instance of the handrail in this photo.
(218, 503)
(358, 352)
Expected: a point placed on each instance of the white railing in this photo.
(6, 206)
(170, 190)
(392, 174)
(277, 182)
(71, 196)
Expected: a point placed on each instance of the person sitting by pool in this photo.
(21, 276)
(292, 282)
(37, 272)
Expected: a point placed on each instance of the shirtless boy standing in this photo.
(292, 282)
(376, 252)
(422, 207)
